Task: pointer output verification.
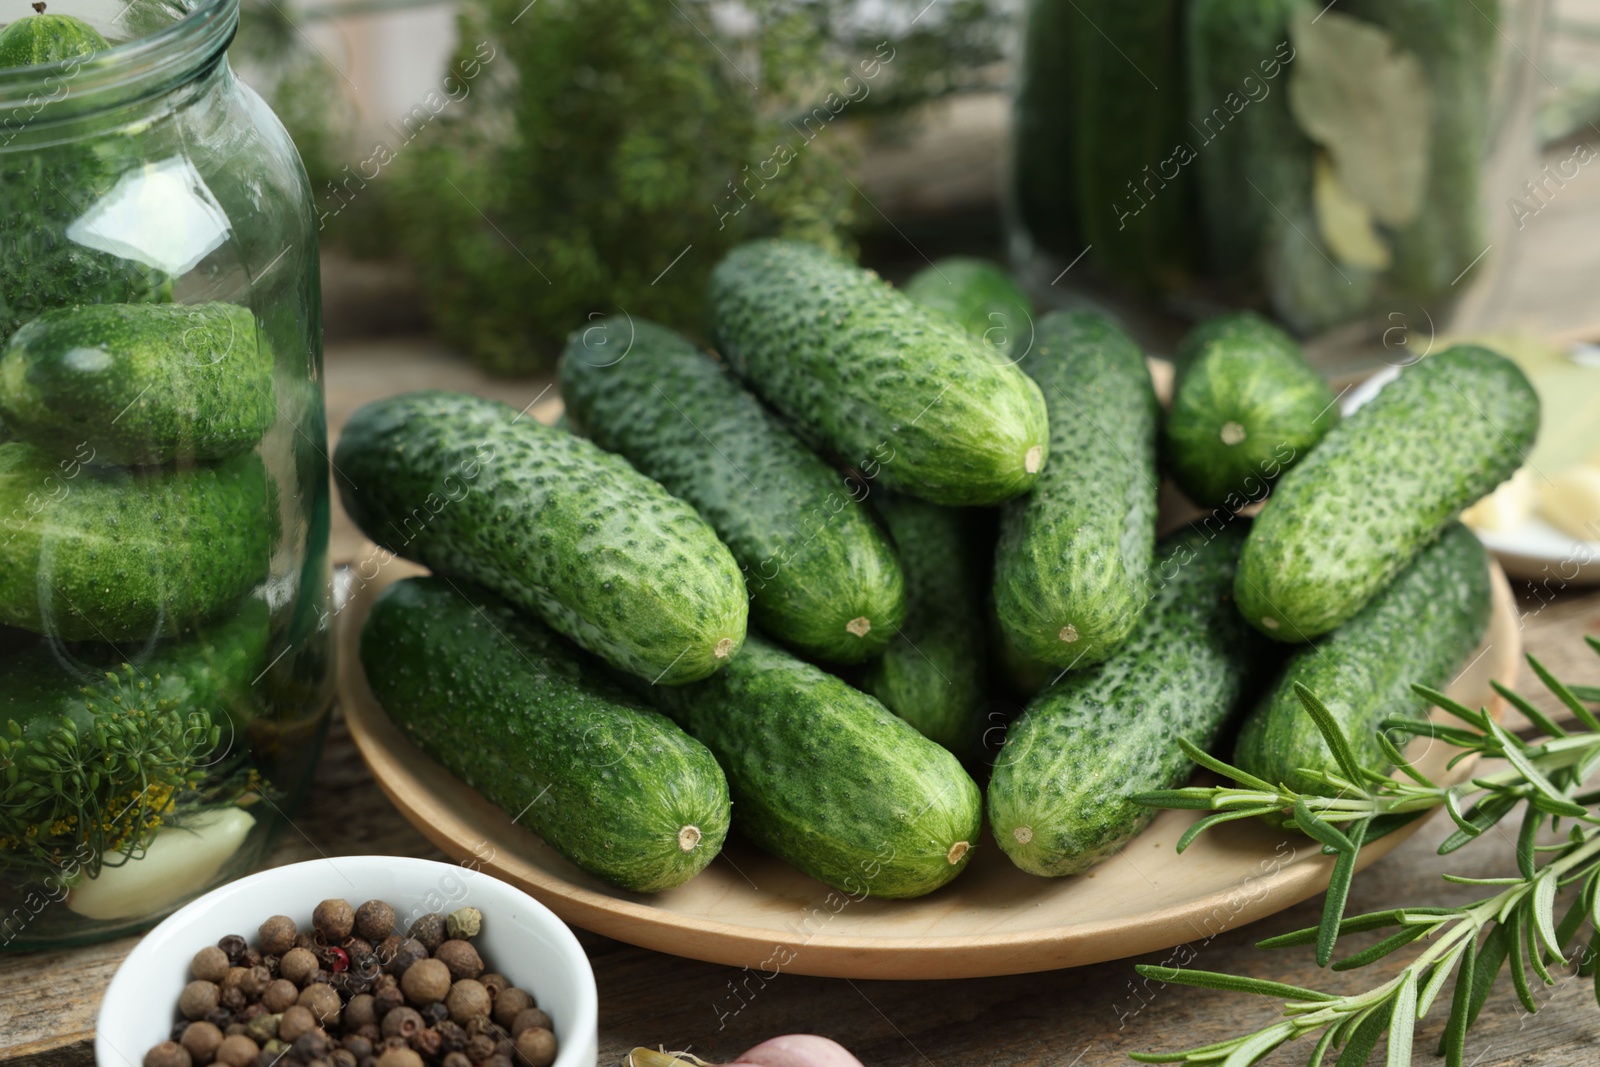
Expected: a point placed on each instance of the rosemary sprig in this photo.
(1515, 925)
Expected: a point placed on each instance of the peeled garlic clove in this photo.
(1506, 508)
(1570, 500)
(179, 862)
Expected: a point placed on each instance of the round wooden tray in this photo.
(753, 910)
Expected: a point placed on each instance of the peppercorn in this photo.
(435, 1013)
(530, 1019)
(509, 1004)
(426, 981)
(210, 964)
(467, 999)
(401, 1023)
(429, 929)
(232, 998)
(495, 983)
(251, 958)
(202, 1039)
(271, 964)
(407, 952)
(504, 1046)
(297, 1019)
(536, 1047)
(305, 939)
(276, 935)
(342, 1057)
(426, 1042)
(464, 922)
(480, 1047)
(176, 1033)
(279, 994)
(323, 1002)
(232, 1030)
(462, 959)
(370, 1033)
(456, 1059)
(311, 1045)
(499, 1059)
(263, 1027)
(333, 920)
(364, 965)
(234, 946)
(168, 1054)
(386, 1000)
(237, 1051)
(359, 1011)
(221, 1018)
(358, 1046)
(452, 1038)
(375, 920)
(399, 1057)
(298, 965)
(199, 999)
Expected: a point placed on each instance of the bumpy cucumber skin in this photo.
(862, 370)
(982, 297)
(1380, 486)
(35, 39)
(1419, 629)
(827, 778)
(1072, 565)
(1246, 407)
(211, 669)
(551, 522)
(615, 788)
(932, 674)
(139, 383)
(1059, 800)
(822, 575)
(107, 554)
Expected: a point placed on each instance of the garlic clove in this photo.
(179, 862)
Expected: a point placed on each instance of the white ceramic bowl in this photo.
(521, 939)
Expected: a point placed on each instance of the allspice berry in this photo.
(359, 1012)
(323, 1002)
(494, 983)
(530, 1019)
(429, 929)
(334, 919)
(296, 1020)
(401, 1023)
(201, 1040)
(462, 959)
(375, 920)
(199, 999)
(464, 922)
(426, 982)
(169, 1053)
(536, 1047)
(467, 1000)
(210, 964)
(237, 1051)
(277, 934)
(298, 965)
(279, 995)
(399, 1057)
(508, 1004)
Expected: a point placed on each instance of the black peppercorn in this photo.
(452, 1038)
(386, 1000)
(358, 1047)
(222, 1018)
(375, 920)
(429, 929)
(232, 998)
(406, 953)
(235, 947)
(311, 1045)
(480, 1047)
(435, 1013)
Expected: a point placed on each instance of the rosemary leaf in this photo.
(1524, 705)
(1328, 726)
(1364, 1038)
(1453, 1043)
(1403, 937)
(1232, 982)
(1519, 972)
(1403, 1023)
(1344, 870)
(1565, 695)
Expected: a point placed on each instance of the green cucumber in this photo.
(1060, 797)
(1071, 567)
(544, 735)
(1380, 486)
(932, 674)
(827, 778)
(552, 522)
(139, 383)
(41, 38)
(982, 297)
(822, 576)
(889, 386)
(1043, 129)
(1245, 408)
(1418, 629)
(107, 554)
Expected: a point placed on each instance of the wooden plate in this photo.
(752, 910)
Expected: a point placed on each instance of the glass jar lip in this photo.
(131, 70)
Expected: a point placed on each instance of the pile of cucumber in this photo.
(770, 589)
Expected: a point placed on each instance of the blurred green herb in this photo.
(1517, 923)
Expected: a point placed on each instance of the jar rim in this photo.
(128, 71)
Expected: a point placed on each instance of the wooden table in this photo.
(1089, 1017)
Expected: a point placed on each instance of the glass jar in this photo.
(1345, 167)
(164, 510)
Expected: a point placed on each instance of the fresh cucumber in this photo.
(1246, 406)
(1418, 629)
(982, 297)
(613, 787)
(893, 388)
(932, 674)
(1060, 797)
(139, 383)
(551, 522)
(827, 778)
(822, 575)
(1071, 567)
(108, 554)
(1043, 128)
(45, 38)
(1380, 486)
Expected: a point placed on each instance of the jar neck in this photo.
(33, 100)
